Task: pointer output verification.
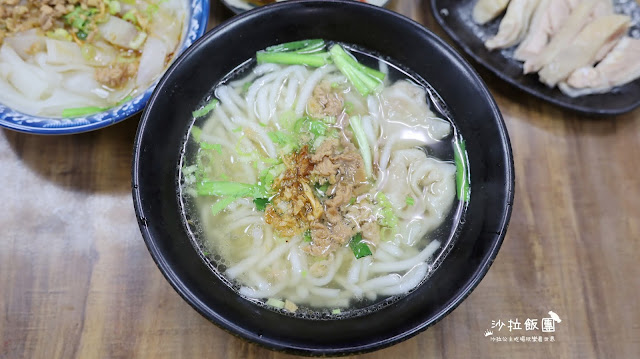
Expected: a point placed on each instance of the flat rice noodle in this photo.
(27, 79)
(63, 52)
(166, 28)
(26, 43)
(118, 32)
(82, 83)
(152, 61)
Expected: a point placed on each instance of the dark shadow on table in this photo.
(94, 162)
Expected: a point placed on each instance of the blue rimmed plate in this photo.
(198, 17)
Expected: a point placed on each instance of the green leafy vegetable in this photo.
(462, 172)
(211, 146)
(226, 188)
(289, 58)
(336, 311)
(82, 111)
(363, 144)
(359, 248)
(366, 80)
(303, 46)
(222, 204)
(261, 203)
(409, 201)
(387, 217)
(205, 109)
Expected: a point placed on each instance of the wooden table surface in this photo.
(76, 280)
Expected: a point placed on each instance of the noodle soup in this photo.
(318, 179)
(71, 58)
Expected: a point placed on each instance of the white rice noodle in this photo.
(242, 266)
(333, 268)
(265, 68)
(260, 134)
(409, 263)
(276, 254)
(381, 282)
(390, 248)
(223, 93)
(265, 293)
(364, 268)
(354, 271)
(351, 287)
(409, 281)
(325, 292)
(296, 259)
(243, 222)
(152, 61)
(309, 85)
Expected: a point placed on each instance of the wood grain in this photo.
(76, 280)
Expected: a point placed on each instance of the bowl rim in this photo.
(219, 320)
(196, 24)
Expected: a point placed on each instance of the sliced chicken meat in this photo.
(583, 49)
(514, 24)
(547, 20)
(574, 23)
(487, 10)
(619, 67)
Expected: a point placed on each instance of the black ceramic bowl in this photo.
(165, 122)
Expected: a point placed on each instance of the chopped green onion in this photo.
(261, 203)
(352, 201)
(205, 109)
(114, 7)
(221, 204)
(275, 303)
(462, 171)
(307, 236)
(409, 201)
(288, 58)
(359, 248)
(126, 99)
(81, 35)
(138, 40)
(130, 16)
(323, 188)
(299, 46)
(304, 274)
(237, 129)
(336, 311)
(196, 132)
(387, 217)
(363, 144)
(211, 146)
(60, 34)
